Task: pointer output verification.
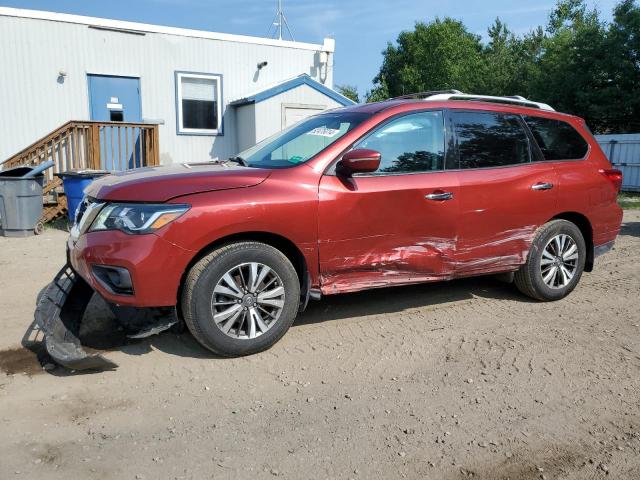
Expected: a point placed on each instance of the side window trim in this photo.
(535, 152)
(331, 170)
(454, 139)
(451, 153)
(523, 125)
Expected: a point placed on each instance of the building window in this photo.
(199, 103)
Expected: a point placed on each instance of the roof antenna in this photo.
(275, 30)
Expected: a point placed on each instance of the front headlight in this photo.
(136, 218)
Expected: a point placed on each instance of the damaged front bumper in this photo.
(59, 314)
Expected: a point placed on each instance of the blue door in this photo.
(117, 99)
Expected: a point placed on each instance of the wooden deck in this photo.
(81, 145)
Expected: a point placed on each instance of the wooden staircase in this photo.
(82, 145)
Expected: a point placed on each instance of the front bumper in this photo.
(156, 266)
(58, 315)
(60, 311)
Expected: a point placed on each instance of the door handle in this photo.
(542, 186)
(439, 196)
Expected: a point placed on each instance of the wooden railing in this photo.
(81, 145)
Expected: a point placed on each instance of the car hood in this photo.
(159, 184)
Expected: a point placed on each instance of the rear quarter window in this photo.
(557, 139)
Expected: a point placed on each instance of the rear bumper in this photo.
(155, 265)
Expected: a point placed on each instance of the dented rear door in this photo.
(397, 225)
(504, 195)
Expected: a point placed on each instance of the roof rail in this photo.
(424, 95)
(458, 95)
(511, 100)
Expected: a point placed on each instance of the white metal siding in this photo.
(34, 102)
(245, 126)
(623, 152)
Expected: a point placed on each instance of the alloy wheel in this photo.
(559, 261)
(247, 300)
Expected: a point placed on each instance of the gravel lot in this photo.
(445, 381)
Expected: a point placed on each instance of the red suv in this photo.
(424, 188)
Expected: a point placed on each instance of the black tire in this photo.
(529, 278)
(199, 287)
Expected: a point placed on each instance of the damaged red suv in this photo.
(423, 188)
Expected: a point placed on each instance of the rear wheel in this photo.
(555, 262)
(241, 298)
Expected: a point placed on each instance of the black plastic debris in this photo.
(58, 315)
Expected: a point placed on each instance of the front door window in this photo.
(409, 144)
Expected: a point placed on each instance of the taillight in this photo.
(614, 176)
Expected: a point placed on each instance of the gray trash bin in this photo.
(20, 205)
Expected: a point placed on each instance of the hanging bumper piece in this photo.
(58, 316)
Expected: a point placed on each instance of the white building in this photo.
(213, 94)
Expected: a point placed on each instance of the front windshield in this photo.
(301, 141)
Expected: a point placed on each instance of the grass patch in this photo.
(629, 200)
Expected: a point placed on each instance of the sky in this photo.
(361, 28)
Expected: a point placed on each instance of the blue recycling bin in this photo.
(74, 184)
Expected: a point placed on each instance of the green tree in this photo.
(349, 91)
(577, 63)
(622, 66)
(434, 56)
(571, 72)
(566, 14)
(379, 92)
(584, 66)
(531, 51)
(506, 57)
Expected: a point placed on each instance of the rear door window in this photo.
(557, 139)
(409, 144)
(487, 139)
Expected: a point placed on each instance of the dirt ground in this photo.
(467, 379)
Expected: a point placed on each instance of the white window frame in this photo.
(180, 130)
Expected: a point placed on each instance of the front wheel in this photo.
(241, 298)
(555, 262)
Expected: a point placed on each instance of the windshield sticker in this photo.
(295, 159)
(324, 132)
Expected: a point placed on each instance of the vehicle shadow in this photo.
(630, 228)
(397, 299)
(101, 333)
(331, 308)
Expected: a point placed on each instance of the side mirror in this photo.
(361, 160)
